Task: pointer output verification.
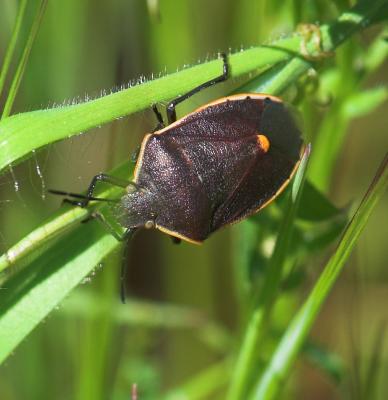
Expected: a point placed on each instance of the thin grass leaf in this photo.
(286, 352)
(24, 59)
(12, 44)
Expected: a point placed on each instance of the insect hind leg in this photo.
(171, 113)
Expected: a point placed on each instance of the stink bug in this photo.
(213, 167)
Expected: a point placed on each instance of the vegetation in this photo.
(228, 319)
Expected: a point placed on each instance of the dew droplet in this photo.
(39, 172)
(15, 182)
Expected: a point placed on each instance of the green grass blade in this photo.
(24, 58)
(279, 367)
(12, 44)
(22, 133)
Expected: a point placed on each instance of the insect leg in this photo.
(171, 114)
(121, 237)
(159, 117)
(123, 268)
(112, 180)
(77, 196)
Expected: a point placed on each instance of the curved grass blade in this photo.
(287, 350)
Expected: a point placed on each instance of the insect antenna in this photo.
(123, 274)
(124, 262)
(79, 196)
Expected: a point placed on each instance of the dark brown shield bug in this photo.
(213, 167)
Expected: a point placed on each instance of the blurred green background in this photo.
(89, 47)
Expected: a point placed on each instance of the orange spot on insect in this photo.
(263, 142)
